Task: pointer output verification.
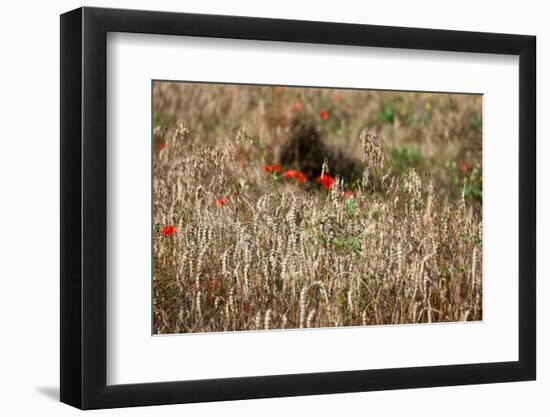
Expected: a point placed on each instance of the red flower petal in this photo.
(169, 231)
(273, 168)
(301, 178)
(297, 175)
(325, 180)
(221, 202)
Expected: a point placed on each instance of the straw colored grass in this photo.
(395, 239)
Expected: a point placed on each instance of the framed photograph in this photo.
(259, 208)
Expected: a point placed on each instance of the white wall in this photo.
(29, 219)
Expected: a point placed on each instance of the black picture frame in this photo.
(84, 207)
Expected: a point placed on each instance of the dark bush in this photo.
(306, 151)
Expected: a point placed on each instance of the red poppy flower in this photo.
(323, 115)
(221, 202)
(162, 146)
(301, 178)
(273, 168)
(169, 231)
(463, 167)
(297, 175)
(325, 180)
(297, 105)
(347, 194)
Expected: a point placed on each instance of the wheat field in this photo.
(285, 208)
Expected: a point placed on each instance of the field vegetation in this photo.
(282, 208)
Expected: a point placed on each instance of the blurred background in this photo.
(437, 134)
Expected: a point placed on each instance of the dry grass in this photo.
(396, 238)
